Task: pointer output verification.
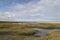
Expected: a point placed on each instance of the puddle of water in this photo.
(42, 32)
(6, 35)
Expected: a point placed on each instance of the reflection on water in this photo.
(42, 32)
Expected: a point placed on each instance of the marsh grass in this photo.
(22, 30)
(51, 36)
(44, 25)
(16, 29)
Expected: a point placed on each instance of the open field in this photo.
(22, 30)
(43, 25)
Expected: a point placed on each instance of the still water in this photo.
(40, 33)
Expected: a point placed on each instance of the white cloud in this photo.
(6, 16)
(43, 10)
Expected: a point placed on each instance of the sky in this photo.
(30, 10)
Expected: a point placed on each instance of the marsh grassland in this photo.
(24, 31)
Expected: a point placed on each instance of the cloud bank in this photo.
(40, 10)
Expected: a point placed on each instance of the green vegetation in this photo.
(12, 28)
(23, 31)
(50, 36)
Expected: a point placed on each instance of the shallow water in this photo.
(6, 35)
(42, 32)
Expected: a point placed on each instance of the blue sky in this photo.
(30, 10)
